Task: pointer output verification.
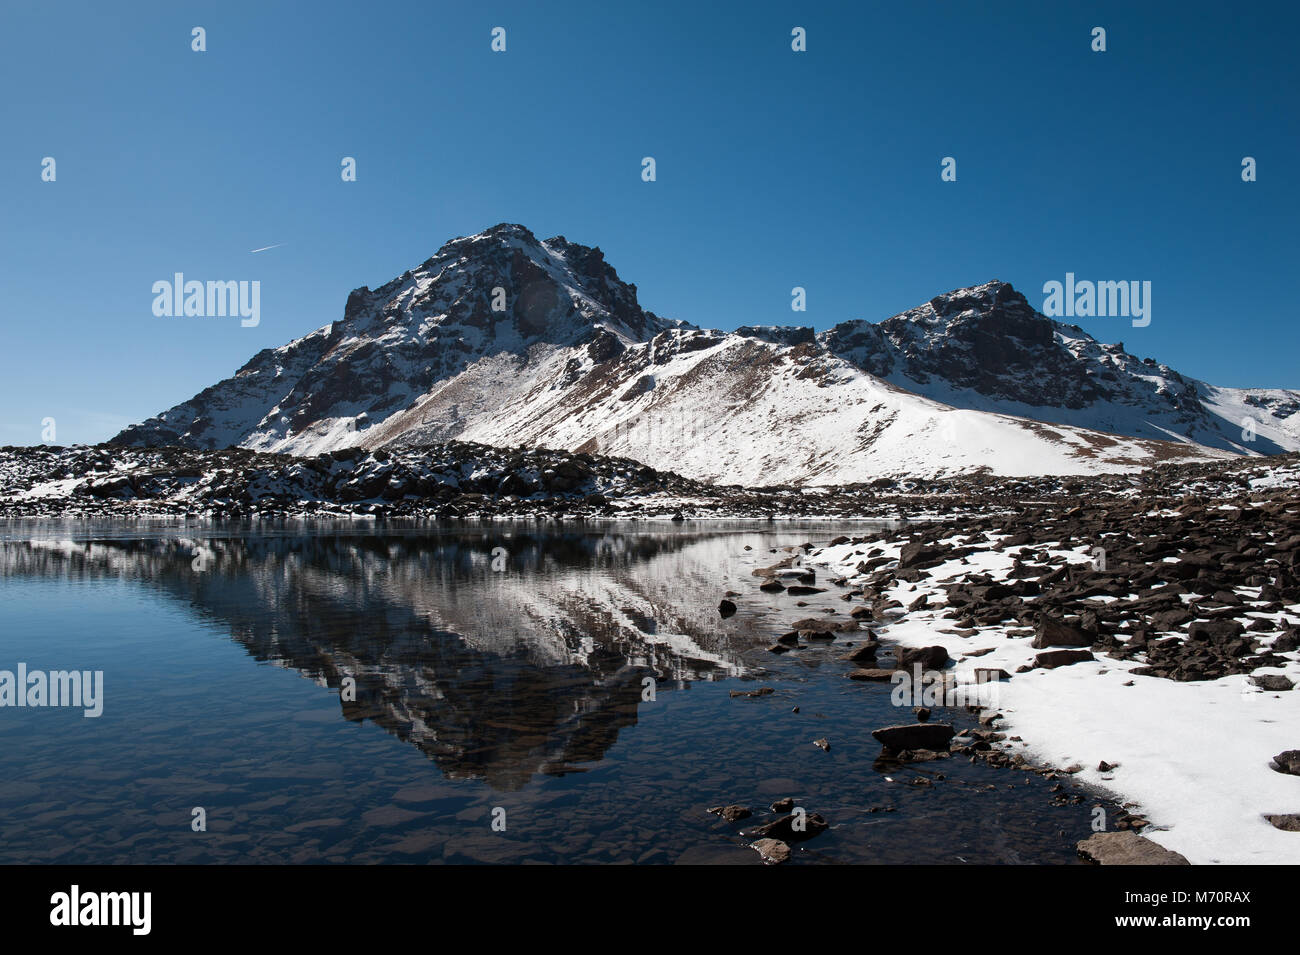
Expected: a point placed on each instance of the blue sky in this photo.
(775, 169)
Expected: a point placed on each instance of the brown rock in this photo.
(1288, 762)
(1051, 659)
(1057, 633)
(773, 851)
(1126, 848)
(731, 813)
(870, 674)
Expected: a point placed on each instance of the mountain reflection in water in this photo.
(497, 664)
(521, 690)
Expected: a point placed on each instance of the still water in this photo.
(499, 711)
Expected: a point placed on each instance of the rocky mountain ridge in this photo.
(504, 339)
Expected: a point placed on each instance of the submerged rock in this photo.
(871, 673)
(794, 828)
(761, 691)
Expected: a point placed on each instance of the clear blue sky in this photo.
(775, 169)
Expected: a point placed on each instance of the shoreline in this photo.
(1081, 694)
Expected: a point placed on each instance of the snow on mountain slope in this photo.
(735, 410)
(987, 349)
(505, 339)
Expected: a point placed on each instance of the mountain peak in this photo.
(505, 338)
(987, 299)
(502, 231)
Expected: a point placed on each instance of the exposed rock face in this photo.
(504, 339)
(1126, 848)
(987, 348)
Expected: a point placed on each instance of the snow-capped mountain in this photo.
(987, 349)
(508, 340)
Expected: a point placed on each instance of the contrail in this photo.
(265, 247)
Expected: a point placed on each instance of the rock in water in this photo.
(726, 609)
(935, 736)
(773, 851)
(1126, 848)
(863, 654)
(794, 827)
(731, 813)
(871, 673)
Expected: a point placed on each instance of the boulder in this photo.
(934, 736)
(1215, 631)
(773, 851)
(863, 654)
(1057, 633)
(930, 658)
(1126, 848)
(731, 813)
(1272, 682)
(1288, 762)
(1051, 659)
(918, 553)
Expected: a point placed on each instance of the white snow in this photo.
(1194, 757)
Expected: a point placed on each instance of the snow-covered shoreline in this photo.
(1192, 757)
